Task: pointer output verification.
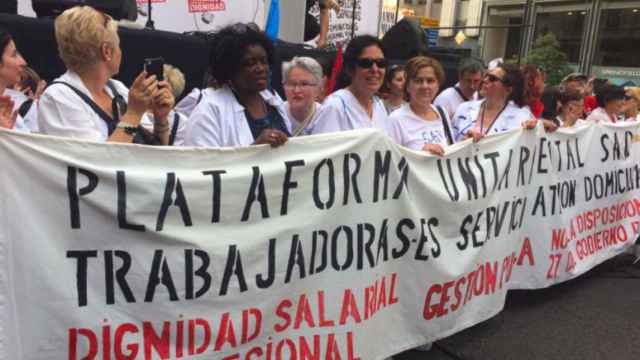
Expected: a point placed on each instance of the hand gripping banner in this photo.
(340, 246)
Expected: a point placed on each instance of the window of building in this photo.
(568, 28)
(618, 38)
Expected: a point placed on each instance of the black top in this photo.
(9, 6)
(311, 25)
(273, 120)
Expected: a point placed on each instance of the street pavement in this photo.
(593, 317)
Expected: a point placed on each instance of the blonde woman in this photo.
(85, 102)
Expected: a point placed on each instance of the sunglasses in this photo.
(367, 63)
(493, 78)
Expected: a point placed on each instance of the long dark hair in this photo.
(354, 49)
(513, 77)
(5, 39)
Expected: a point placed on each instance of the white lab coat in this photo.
(62, 112)
(341, 111)
(189, 102)
(468, 113)
(219, 120)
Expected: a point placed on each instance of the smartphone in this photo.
(155, 66)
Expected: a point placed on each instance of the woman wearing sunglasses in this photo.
(242, 111)
(499, 111)
(420, 125)
(357, 105)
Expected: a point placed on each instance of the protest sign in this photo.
(334, 246)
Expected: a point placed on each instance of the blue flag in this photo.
(273, 20)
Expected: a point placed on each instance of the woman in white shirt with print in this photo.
(357, 105)
(302, 84)
(420, 125)
(499, 111)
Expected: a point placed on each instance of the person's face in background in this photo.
(577, 86)
(470, 81)
(12, 65)
(396, 85)
(301, 88)
(252, 74)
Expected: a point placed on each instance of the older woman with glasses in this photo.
(302, 85)
(85, 102)
(499, 111)
(357, 105)
(242, 111)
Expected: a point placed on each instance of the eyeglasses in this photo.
(304, 85)
(367, 63)
(493, 78)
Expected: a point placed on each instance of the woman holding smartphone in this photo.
(85, 102)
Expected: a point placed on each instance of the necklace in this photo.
(482, 111)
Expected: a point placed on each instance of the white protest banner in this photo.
(334, 246)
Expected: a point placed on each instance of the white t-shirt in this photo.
(341, 111)
(62, 112)
(600, 115)
(412, 131)
(189, 102)
(466, 118)
(450, 99)
(579, 122)
(308, 130)
(219, 120)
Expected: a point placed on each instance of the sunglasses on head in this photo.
(367, 63)
(493, 78)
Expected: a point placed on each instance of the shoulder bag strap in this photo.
(111, 123)
(445, 124)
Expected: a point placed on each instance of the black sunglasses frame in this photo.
(367, 63)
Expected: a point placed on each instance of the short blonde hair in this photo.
(634, 92)
(80, 33)
(175, 78)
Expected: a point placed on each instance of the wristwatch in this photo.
(128, 128)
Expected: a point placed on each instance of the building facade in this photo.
(600, 37)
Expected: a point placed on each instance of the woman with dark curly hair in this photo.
(357, 106)
(499, 111)
(242, 111)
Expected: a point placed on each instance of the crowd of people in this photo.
(237, 107)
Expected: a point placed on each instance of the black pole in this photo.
(397, 10)
(525, 29)
(149, 25)
(353, 19)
